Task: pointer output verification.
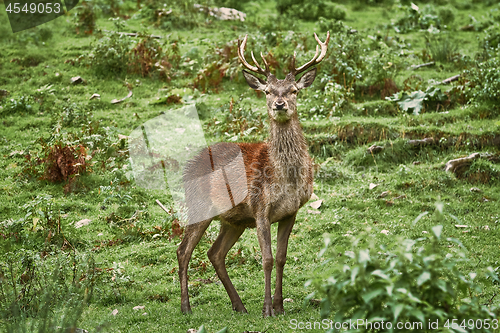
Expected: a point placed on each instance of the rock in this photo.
(375, 149)
(77, 80)
(316, 204)
(82, 223)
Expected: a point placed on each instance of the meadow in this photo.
(396, 233)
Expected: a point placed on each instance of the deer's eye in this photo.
(294, 92)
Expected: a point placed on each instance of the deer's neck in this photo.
(288, 151)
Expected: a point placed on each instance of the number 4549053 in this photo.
(472, 324)
(40, 8)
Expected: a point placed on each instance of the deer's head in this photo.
(281, 95)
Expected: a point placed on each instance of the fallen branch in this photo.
(451, 79)
(133, 34)
(116, 101)
(422, 65)
(426, 141)
(459, 163)
(162, 207)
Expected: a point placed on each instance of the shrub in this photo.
(109, 55)
(484, 81)
(116, 54)
(311, 11)
(18, 104)
(408, 280)
(85, 18)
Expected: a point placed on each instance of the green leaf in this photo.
(308, 298)
(437, 230)
(381, 274)
(354, 273)
(413, 102)
(202, 329)
(325, 308)
(397, 310)
(224, 330)
(389, 289)
(424, 277)
(419, 217)
(364, 256)
(418, 314)
(372, 294)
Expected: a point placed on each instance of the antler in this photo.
(241, 56)
(316, 59)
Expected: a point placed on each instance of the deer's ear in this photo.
(307, 79)
(254, 82)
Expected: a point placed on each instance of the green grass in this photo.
(139, 268)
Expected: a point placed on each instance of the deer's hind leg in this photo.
(192, 235)
(228, 235)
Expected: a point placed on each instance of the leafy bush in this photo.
(176, 14)
(109, 55)
(85, 17)
(234, 122)
(311, 11)
(408, 280)
(19, 104)
(484, 81)
(116, 54)
(416, 18)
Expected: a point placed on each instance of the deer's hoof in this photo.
(267, 311)
(279, 310)
(186, 309)
(240, 308)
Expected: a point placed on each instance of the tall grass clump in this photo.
(44, 292)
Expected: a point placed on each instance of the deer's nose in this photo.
(280, 104)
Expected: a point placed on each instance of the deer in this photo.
(279, 181)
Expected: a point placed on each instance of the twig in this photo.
(162, 207)
(451, 79)
(116, 101)
(422, 65)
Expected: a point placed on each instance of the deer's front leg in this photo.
(192, 235)
(264, 235)
(284, 230)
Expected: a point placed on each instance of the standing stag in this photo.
(279, 180)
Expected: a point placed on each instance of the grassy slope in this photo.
(151, 264)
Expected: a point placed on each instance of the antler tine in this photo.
(318, 57)
(265, 63)
(324, 46)
(241, 56)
